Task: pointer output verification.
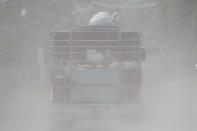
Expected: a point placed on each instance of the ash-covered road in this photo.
(169, 103)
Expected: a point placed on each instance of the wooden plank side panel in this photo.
(83, 56)
(92, 35)
(63, 48)
(130, 35)
(60, 35)
(103, 43)
(94, 43)
(95, 35)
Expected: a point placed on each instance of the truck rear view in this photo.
(95, 65)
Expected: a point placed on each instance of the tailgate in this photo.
(100, 86)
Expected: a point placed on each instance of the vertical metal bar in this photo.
(68, 85)
(120, 63)
(140, 46)
(120, 46)
(71, 48)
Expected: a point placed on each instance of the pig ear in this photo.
(115, 16)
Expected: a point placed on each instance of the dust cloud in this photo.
(169, 83)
